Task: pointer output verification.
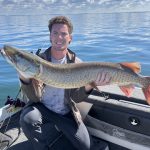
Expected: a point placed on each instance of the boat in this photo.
(113, 120)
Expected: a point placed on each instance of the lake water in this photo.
(112, 37)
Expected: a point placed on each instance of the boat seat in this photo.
(84, 108)
(64, 143)
(61, 141)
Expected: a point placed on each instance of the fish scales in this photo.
(75, 75)
(71, 75)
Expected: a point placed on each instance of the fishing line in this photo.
(39, 49)
(14, 103)
(9, 118)
(104, 95)
(43, 44)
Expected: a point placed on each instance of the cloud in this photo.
(71, 6)
(90, 1)
(104, 1)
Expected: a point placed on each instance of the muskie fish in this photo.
(74, 75)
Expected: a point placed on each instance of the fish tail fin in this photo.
(127, 90)
(146, 90)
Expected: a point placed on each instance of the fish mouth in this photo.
(6, 55)
(2, 52)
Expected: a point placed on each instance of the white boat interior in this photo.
(120, 122)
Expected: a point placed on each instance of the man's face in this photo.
(60, 37)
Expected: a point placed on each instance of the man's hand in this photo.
(26, 80)
(103, 78)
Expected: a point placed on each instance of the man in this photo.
(51, 107)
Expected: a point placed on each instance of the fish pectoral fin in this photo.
(127, 90)
(146, 92)
(134, 66)
(94, 86)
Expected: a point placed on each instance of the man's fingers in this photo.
(103, 79)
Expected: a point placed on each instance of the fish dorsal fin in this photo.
(134, 66)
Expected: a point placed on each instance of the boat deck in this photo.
(13, 130)
(22, 142)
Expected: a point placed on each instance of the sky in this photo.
(29, 7)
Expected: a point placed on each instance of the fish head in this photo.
(23, 61)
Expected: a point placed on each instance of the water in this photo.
(112, 37)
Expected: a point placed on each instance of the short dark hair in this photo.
(60, 20)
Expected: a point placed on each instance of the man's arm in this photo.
(80, 94)
(102, 79)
